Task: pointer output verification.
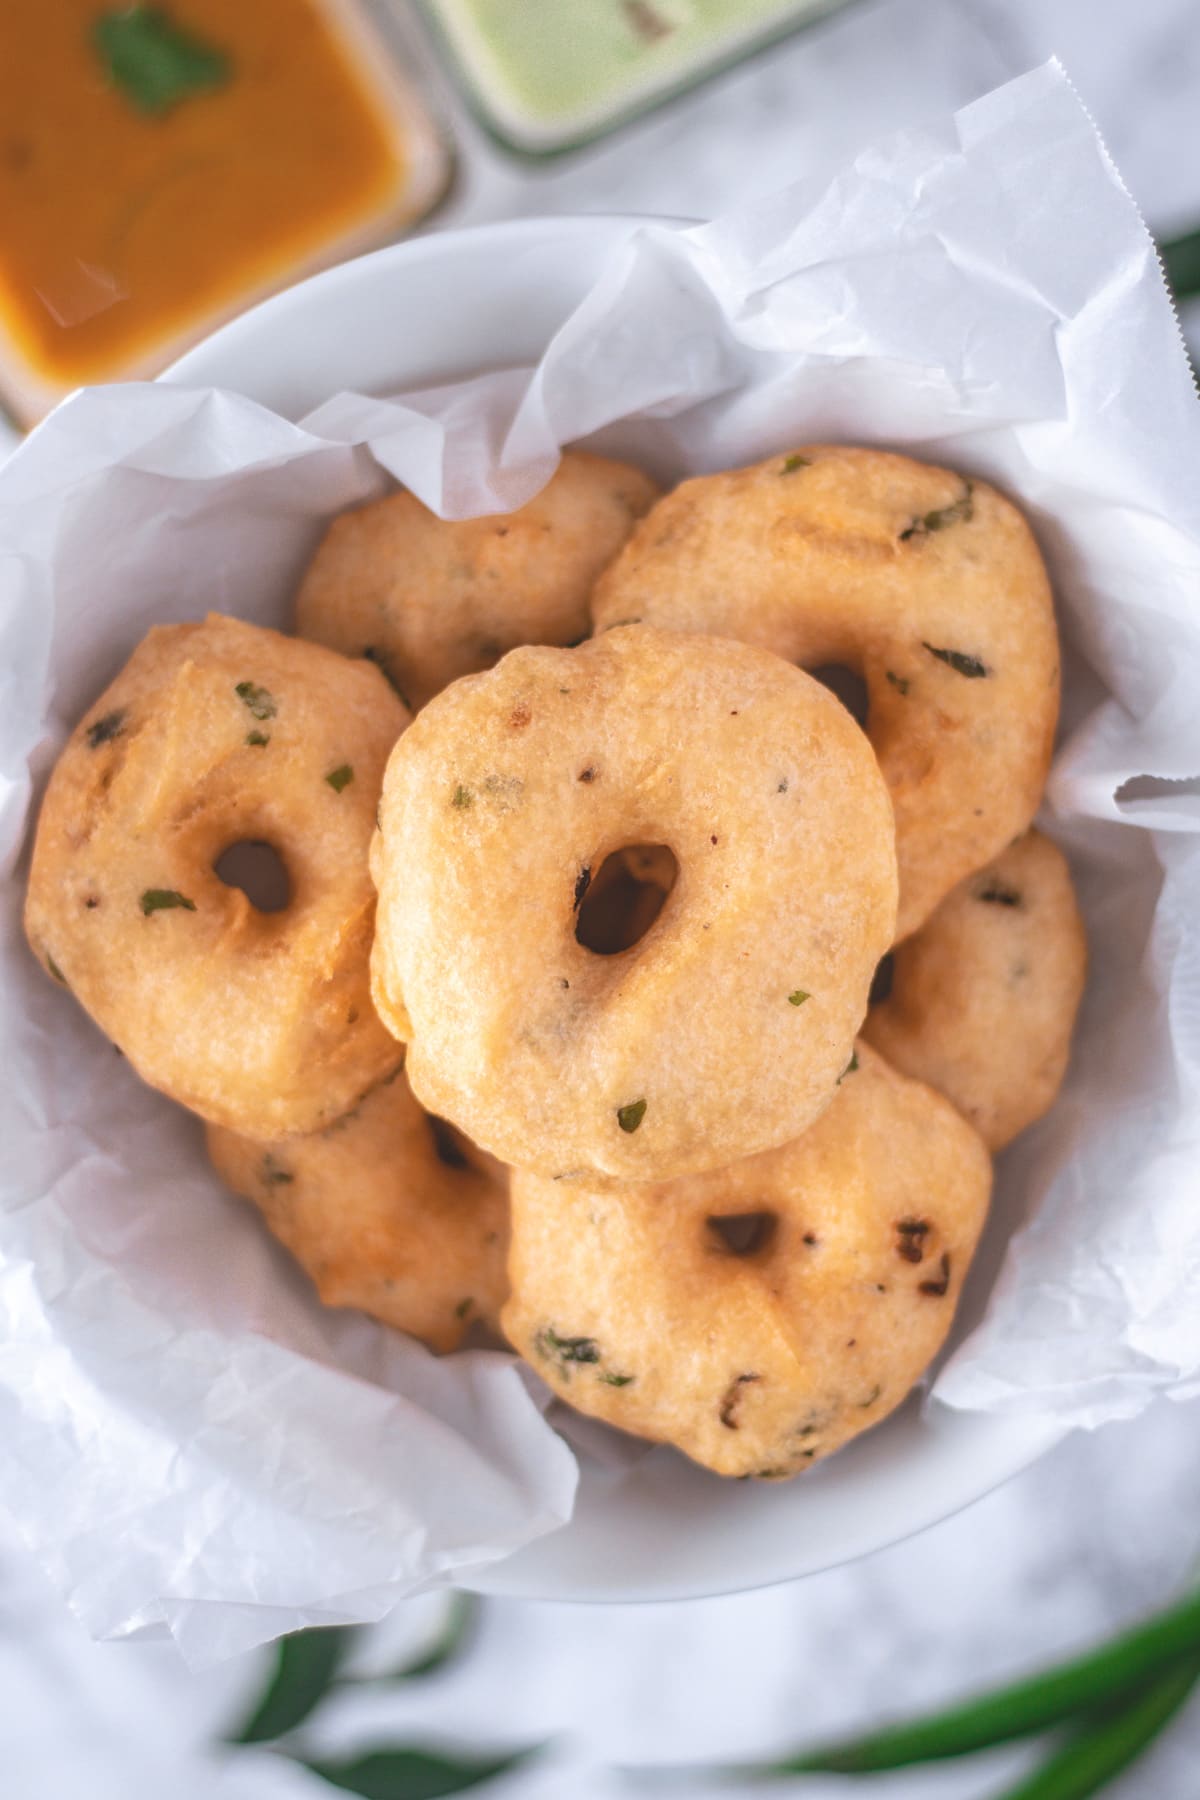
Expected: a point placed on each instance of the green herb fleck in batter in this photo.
(565, 1351)
(630, 1117)
(104, 730)
(260, 702)
(973, 667)
(899, 682)
(340, 778)
(162, 899)
(463, 797)
(617, 1380)
(996, 894)
(957, 513)
(55, 970)
(273, 1174)
(792, 463)
(799, 997)
(849, 1069)
(258, 739)
(463, 1307)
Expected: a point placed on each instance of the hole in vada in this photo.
(743, 1234)
(881, 981)
(449, 1145)
(624, 896)
(847, 686)
(259, 871)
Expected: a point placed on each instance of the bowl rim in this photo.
(433, 245)
(970, 1455)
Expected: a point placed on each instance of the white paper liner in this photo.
(189, 1442)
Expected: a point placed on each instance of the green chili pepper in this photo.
(1098, 1752)
(1081, 1686)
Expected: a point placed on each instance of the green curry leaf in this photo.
(154, 62)
(306, 1665)
(413, 1774)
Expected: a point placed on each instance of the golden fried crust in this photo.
(432, 599)
(725, 1028)
(633, 1307)
(213, 735)
(929, 586)
(388, 1210)
(983, 999)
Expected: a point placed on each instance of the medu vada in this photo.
(431, 599)
(724, 1029)
(214, 735)
(981, 1003)
(927, 585)
(388, 1210)
(758, 1316)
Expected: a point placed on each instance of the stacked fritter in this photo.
(635, 1000)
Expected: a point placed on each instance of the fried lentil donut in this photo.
(431, 599)
(724, 1029)
(758, 1316)
(983, 999)
(214, 735)
(388, 1210)
(927, 585)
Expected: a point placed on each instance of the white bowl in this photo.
(438, 309)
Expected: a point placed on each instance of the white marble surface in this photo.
(879, 65)
(1104, 1527)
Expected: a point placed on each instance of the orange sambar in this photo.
(119, 231)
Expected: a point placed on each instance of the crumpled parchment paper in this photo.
(188, 1442)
